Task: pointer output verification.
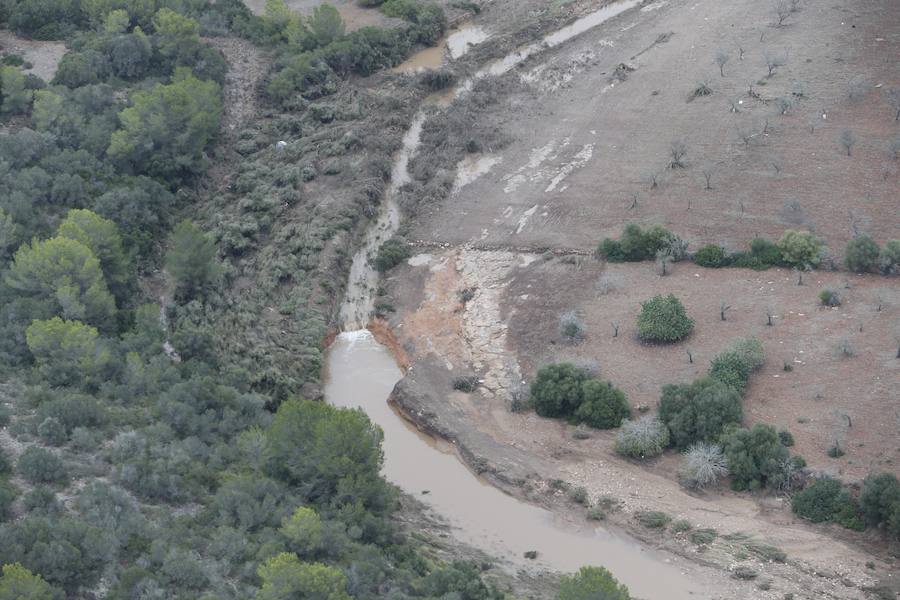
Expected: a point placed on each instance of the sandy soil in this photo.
(44, 56)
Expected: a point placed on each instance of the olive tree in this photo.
(801, 249)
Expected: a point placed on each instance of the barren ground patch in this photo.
(44, 56)
(587, 145)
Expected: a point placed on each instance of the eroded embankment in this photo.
(523, 454)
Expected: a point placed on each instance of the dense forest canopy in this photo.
(137, 462)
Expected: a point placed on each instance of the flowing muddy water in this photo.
(361, 373)
(453, 45)
(359, 302)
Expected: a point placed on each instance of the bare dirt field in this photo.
(508, 329)
(813, 400)
(44, 56)
(587, 130)
(586, 144)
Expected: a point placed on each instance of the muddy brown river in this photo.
(362, 373)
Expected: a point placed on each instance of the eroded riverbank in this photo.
(362, 373)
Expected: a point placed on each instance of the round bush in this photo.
(801, 249)
(730, 370)
(663, 319)
(734, 366)
(556, 391)
(862, 254)
(390, 254)
(711, 256)
(38, 465)
(699, 411)
(829, 298)
(818, 502)
(756, 457)
(643, 438)
(52, 431)
(602, 406)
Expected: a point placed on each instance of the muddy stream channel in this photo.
(362, 373)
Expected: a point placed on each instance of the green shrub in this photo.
(762, 255)
(637, 244)
(786, 438)
(829, 297)
(818, 501)
(390, 254)
(862, 254)
(45, 19)
(653, 519)
(52, 431)
(801, 249)
(38, 465)
(880, 502)
(889, 261)
(699, 411)
(42, 501)
(596, 514)
(663, 319)
(766, 552)
(734, 366)
(591, 583)
(681, 525)
(65, 551)
(766, 251)
(755, 457)
(703, 537)
(712, 256)
(428, 20)
(644, 438)
(579, 495)
(602, 406)
(557, 390)
(465, 383)
(18, 583)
